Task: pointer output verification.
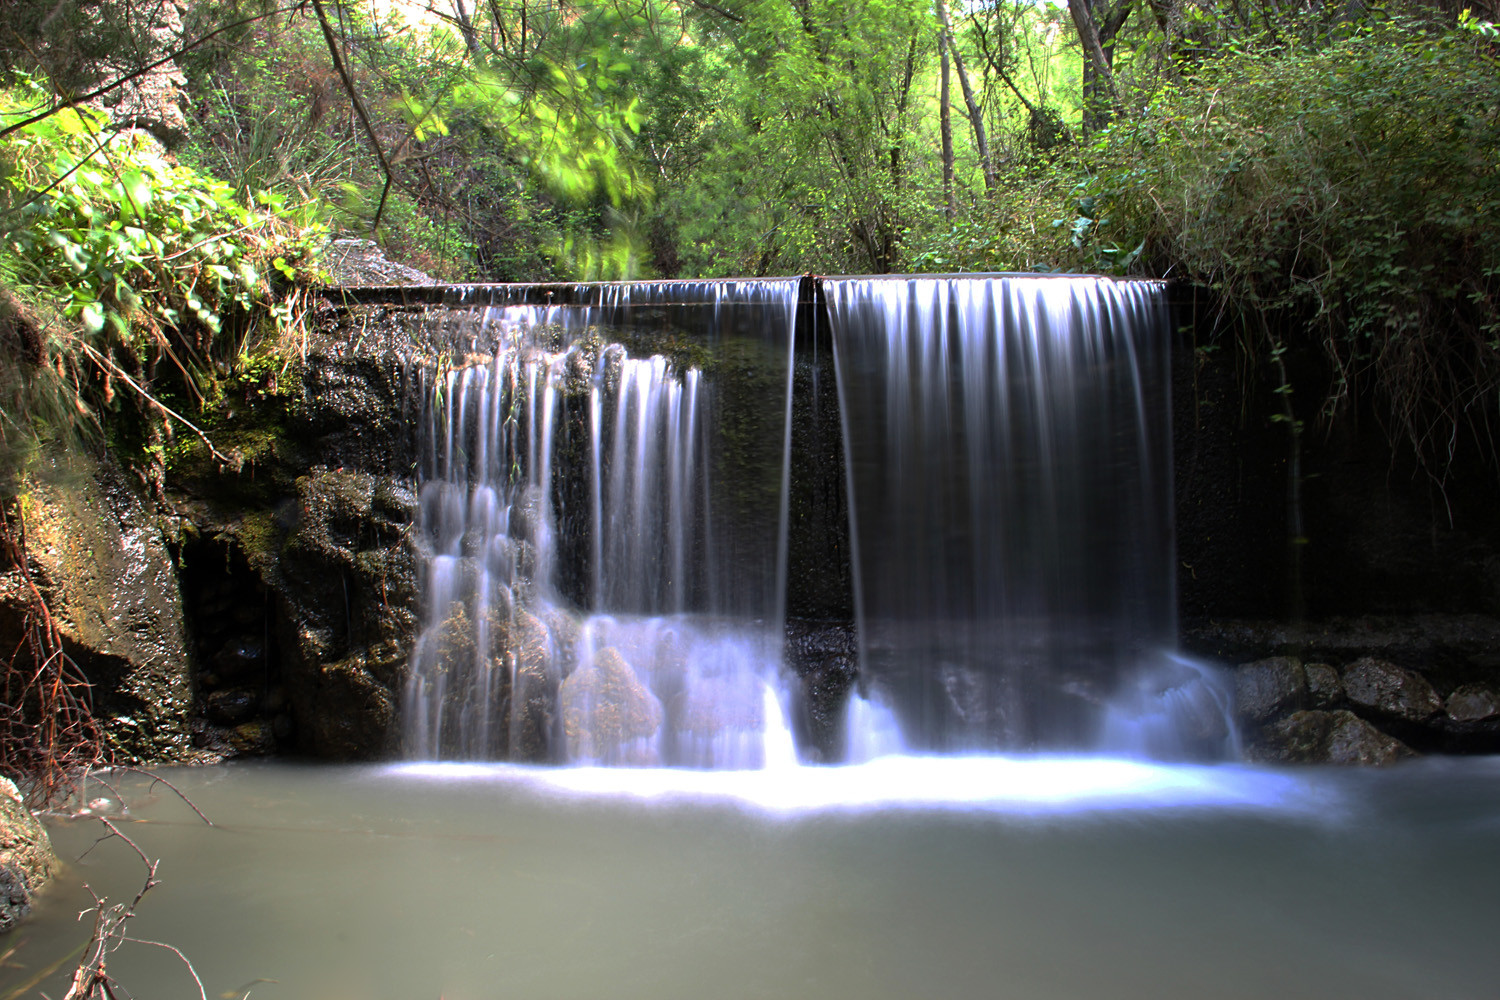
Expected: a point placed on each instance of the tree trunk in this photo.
(976, 114)
(945, 118)
(1101, 98)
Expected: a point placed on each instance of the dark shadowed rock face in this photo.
(1269, 688)
(1417, 685)
(303, 575)
(1474, 703)
(1386, 689)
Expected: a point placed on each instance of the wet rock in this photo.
(26, 858)
(1268, 688)
(358, 716)
(1425, 638)
(563, 629)
(1390, 690)
(99, 557)
(231, 706)
(535, 692)
(344, 585)
(1323, 685)
(253, 739)
(1319, 737)
(606, 708)
(526, 514)
(1473, 703)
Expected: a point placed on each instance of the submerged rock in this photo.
(26, 858)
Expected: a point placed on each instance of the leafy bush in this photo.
(124, 260)
(1340, 193)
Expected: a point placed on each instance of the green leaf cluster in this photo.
(126, 259)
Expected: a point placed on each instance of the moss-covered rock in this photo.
(606, 708)
(26, 858)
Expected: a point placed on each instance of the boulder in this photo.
(352, 260)
(606, 708)
(1268, 688)
(1386, 689)
(344, 584)
(99, 558)
(1473, 703)
(1319, 737)
(1323, 685)
(26, 858)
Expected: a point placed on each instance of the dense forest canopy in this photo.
(1327, 170)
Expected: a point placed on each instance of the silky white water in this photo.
(604, 533)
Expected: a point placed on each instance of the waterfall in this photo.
(1007, 442)
(603, 524)
(606, 522)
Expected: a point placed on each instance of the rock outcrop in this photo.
(26, 858)
(100, 559)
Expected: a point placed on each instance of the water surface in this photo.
(904, 877)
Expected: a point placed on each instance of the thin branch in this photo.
(202, 994)
(359, 105)
(121, 374)
(158, 779)
(722, 12)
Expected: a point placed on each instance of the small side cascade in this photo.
(605, 548)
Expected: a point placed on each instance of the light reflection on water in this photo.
(1000, 785)
(905, 877)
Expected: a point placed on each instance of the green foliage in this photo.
(122, 259)
(1348, 186)
(133, 243)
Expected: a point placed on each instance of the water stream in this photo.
(605, 524)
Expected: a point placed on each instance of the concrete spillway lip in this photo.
(559, 292)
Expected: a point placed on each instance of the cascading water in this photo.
(606, 517)
(605, 532)
(1009, 470)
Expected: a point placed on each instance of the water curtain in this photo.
(604, 521)
(605, 512)
(1008, 452)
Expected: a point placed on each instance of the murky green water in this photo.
(902, 878)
